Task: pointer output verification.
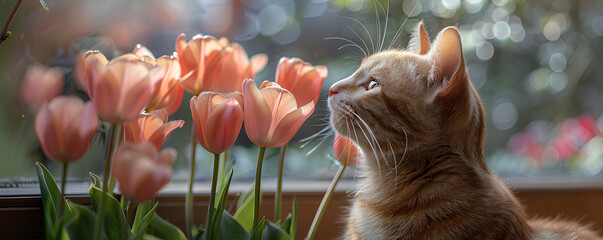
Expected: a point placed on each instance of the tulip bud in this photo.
(141, 171)
(65, 128)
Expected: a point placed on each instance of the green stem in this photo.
(212, 196)
(323, 204)
(279, 184)
(63, 182)
(119, 142)
(222, 168)
(4, 35)
(190, 221)
(109, 158)
(258, 189)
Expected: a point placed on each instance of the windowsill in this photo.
(302, 186)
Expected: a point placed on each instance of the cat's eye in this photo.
(372, 84)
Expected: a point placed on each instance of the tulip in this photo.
(271, 114)
(218, 65)
(346, 151)
(122, 88)
(141, 171)
(65, 127)
(151, 127)
(218, 119)
(40, 85)
(301, 79)
(167, 92)
(83, 73)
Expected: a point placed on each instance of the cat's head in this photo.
(420, 96)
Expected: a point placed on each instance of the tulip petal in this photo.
(45, 132)
(159, 137)
(223, 126)
(289, 125)
(280, 101)
(258, 116)
(257, 63)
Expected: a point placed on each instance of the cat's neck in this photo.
(405, 174)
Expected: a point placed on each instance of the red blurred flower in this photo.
(141, 171)
(301, 79)
(272, 116)
(218, 119)
(219, 66)
(40, 85)
(151, 127)
(65, 127)
(346, 151)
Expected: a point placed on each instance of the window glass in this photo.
(534, 63)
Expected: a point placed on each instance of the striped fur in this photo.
(422, 130)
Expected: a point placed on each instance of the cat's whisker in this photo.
(365, 30)
(399, 32)
(378, 23)
(368, 50)
(386, 21)
(373, 137)
(349, 41)
(370, 142)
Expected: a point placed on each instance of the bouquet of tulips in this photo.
(133, 95)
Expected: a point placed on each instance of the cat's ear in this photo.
(419, 42)
(448, 73)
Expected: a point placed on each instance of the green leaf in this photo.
(142, 219)
(150, 237)
(44, 5)
(215, 225)
(257, 231)
(51, 198)
(96, 181)
(286, 226)
(81, 223)
(293, 219)
(244, 213)
(114, 223)
(164, 229)
(231, 229)
(274, 232)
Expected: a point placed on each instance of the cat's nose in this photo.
(332, 91)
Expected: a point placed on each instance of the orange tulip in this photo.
(218, 119)
(271, 113)
(218, 65)
(167, 92)
(122, 88)
(65, 127)
(151, 127)
(40, 85)
(141, 171)
(346, 151)
(301, 79)
(82, 70)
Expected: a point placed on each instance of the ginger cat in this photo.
(420, 124)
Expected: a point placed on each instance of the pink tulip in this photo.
(218, 65)
(301, 79)
(151, 127)
(346, 151)
(218, 119)
(65, 128)
(122, 88)
(40, 85)
(83, 73)
(271, 113)
(167, 92)
(141, 171)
